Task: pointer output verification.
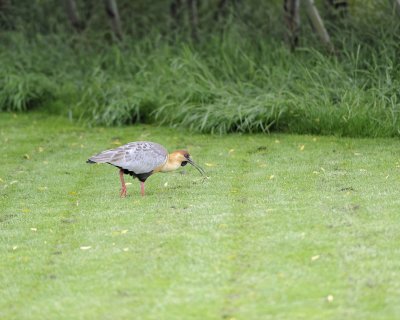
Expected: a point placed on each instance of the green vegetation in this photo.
(238, 77)
(287, 227)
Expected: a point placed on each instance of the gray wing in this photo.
(139, 157)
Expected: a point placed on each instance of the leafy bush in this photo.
(236, 80)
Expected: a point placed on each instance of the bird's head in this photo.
(180, 158)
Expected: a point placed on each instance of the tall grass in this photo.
(226, 83)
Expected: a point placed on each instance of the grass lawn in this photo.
(287, 227)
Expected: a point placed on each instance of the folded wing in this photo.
(138, 157)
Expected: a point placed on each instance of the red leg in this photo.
(123, 188)
(142, 188)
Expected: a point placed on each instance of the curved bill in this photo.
(200, 169)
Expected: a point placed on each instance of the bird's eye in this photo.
(186, 155)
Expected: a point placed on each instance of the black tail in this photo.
(90, 161)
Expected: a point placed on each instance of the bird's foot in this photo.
(123, 192)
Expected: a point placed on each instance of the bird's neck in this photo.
(171, 164)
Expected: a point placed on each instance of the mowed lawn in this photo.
(286, 227)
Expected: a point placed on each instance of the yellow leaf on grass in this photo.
(210, 164)
(42, 188)
(231, 150)
(329, 298)
(277, 141)
(40, 149)
(313, 258)
(124, 231)
(33, 229)
(15, 247)
(116, 142)
(85, 247)
(271, 177)
(1, 180)
(26, 156)
(14, 181)
(125, 249)
(302, 147)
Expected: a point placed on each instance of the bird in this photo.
(141, 159)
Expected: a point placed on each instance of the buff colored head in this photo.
(180, 158)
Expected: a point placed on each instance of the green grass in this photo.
(239, 245)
